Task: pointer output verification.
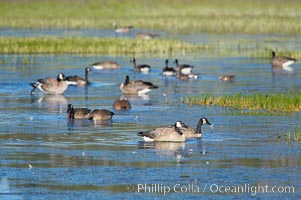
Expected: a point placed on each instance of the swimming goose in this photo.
(121, 104)
(168, 71)
(144, 68)
(124, 29)
(226, 78)
(100, 114)
(185, 69)
(282, 62)
(77, 80)
(136, 86)
(105, 65)
(77, 113)
(164, 134)
(146, 36)
(182, 76)
(51, 85)
(190, 132)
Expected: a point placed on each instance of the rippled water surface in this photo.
(44, 156)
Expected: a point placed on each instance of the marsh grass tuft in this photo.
(269, 102)
(294, 136)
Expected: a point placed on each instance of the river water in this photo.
(45, 156)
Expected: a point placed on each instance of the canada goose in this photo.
(105, 65)
(190, 132)
(100, 114)
(51, 85)
(282, 62)
(168, 71)
(124, 29)
(164, 134)
(182, 76)
(77, 80)
(121, 104)
(146, 36)
(136, 86)
(77, 113)
(226, 78)
(185, 69)
(144, 68)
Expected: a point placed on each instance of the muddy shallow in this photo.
(44, 156)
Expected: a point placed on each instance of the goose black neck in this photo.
(127, 80)
(86, 74)
(199, 126)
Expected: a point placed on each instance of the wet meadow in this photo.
(252, 150)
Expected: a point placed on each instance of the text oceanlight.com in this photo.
(158, 188)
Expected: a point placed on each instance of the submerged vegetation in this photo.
(189, 16)
(269, 102)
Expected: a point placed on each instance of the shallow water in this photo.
(43, 155)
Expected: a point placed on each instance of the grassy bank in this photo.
(268, 102)
(100, 46)
(189, 16)
(129, 46)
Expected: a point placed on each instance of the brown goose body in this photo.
(124, 29)
(100, 114)
(77, 80)
(282, 62)
(144, 68)
(51, 85)
(146, 36)
(226, 78)
(164, 134)
(168, 71)
(77, 113)
(136, 86)
(122, 104)
(105, 65)
(190, 132)
(184, 69)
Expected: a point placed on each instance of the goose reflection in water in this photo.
(53, 102)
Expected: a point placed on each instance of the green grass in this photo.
(128, 46)
(100, 46)
(176, 16)
(263, 102)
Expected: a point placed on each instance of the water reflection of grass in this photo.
(270, 102)
(190, 16)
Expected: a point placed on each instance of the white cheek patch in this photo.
(178, 124)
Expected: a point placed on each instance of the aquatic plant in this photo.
(294, 136)
(289, 102)
(189, 16)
